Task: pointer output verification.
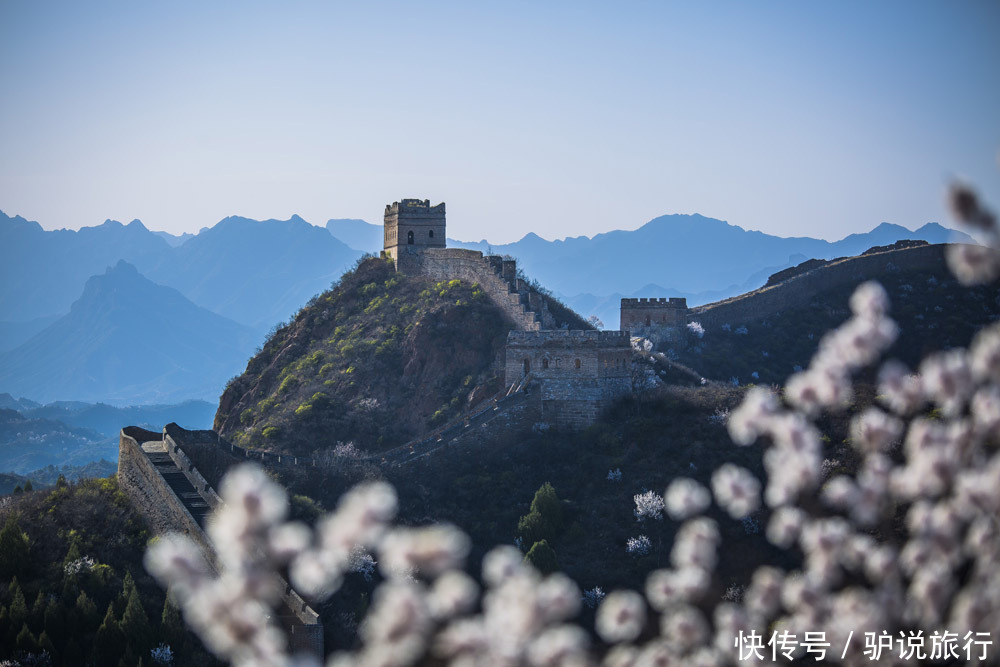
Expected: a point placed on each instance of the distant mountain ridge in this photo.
(129, 340)
(254, 272)
(260, 272)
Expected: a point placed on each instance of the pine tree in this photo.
(172, 631)
(14, 547)
(135, 625)
(26, 640)
(108, 643)
(38, 611)
(61, 482)
(18, 607)
(45, 644)
(544, 520)
(542, 557)
(55, 621)
(86, 612)
(547, 503)
(28, 486)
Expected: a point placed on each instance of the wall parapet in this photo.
(568, 337)
(654, 302)
(801, 288)
(174, 497)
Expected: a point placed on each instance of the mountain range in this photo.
(131, 338)
(128, 340)
(254, 272)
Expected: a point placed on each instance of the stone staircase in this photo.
(522, 304)
(180, 485)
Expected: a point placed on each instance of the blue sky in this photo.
(562, 118)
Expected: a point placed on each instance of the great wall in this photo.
(174, 497)
(550, 376)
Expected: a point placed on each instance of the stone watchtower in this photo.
(412, 225)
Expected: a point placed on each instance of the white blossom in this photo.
(736, 490)
(648, 505)
(621, 616)
(685, 498)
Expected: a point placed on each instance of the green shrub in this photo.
(542, 557)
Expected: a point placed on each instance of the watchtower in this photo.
(412, 225)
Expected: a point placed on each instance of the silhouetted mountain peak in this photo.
(122, 268)
(18, 222)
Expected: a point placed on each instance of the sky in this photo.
(560, 118)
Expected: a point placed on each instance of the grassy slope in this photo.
(377, 360)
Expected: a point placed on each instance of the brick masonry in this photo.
(578, 373)
(145, 461)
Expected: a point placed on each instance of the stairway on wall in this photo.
(180, 485)
(525, 306)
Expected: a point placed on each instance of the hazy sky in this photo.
(562, 118)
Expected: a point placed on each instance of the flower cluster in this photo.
(907, 541)
(648, 505)
(85, 563)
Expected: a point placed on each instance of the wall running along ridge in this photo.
(174, 497)
(799, 290)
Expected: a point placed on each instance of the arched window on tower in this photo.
(577, 363)
(431, 233)
(647, 316)
(409, 237)
(545, 363)
(527, 366)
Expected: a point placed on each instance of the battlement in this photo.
(672, 302)
(648, 316)
(415, 208)
(578, 373)
(411, 226)
(569, 338)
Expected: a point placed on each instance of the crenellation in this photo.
(649, 316)
(579, 373)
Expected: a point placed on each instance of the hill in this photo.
(108, 419)
(746, 340)
(27, 444)
(376, 360)
(127, 339)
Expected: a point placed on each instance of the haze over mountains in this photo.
(254, 272)
(131, 339)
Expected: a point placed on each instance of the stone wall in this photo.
(414, 217)
(578, 373)
(140, 478)
(636, 313)
(800, 289)
(524, 307)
